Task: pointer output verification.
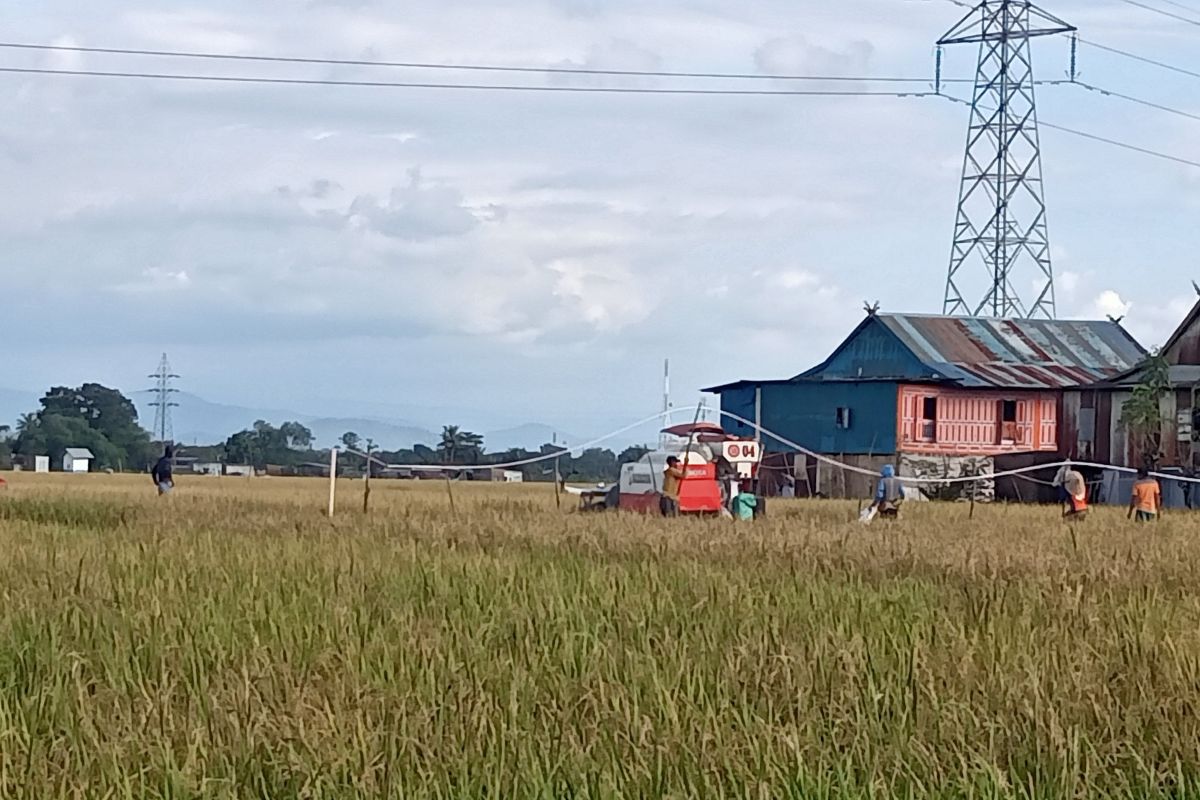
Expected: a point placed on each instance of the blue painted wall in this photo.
(877, 352)
(806, 413)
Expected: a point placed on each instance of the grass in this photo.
(230, 642)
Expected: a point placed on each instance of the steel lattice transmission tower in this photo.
(163, 402)
(1001, 207)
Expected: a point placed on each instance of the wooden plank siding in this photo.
(969, 421)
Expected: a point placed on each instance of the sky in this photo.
(505, 257)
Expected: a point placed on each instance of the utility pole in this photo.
(1001, 206)
(163, 402)
(666, 406)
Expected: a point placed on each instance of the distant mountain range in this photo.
(199, 421)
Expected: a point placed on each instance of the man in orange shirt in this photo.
(1147, 498)
(673, 476)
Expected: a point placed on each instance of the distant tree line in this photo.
(106, 422)
(92, 416)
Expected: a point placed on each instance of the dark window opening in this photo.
(1008, 421)
(842, 419)
(929, 408)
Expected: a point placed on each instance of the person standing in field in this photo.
(1147, 498)
(672, 478)
(1073, 492)
(889, 494)
(162, 473)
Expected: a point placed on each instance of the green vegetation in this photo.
(92, 416)
(288, 445)
(232, 643)
(1142, 415)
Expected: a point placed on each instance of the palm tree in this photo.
(456, 443)
(451, 443)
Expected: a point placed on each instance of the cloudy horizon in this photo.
(346, 251)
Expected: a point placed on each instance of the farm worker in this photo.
(161, 474)
(745, 506)
(1073, 492)
(789, 486)
(1147, 498)
(727, 481)
(889, 494)
(672, 478)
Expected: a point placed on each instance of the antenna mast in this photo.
(1001, 206)
(163, 402)
(666, 420)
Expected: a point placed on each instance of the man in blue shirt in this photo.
(889, 494)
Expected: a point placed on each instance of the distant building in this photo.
(239, 470)
(1094, 432)
(1092, 418)
(24, 463)
(212, 468)
(77, 459)
(937, 396)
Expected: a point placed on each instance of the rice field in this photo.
(231, 642)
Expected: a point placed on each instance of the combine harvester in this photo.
(701, 448)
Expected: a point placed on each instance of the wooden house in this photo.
(935, 395)
(1092, 415)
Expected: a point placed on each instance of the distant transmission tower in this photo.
(1001, 208)
(163, 402)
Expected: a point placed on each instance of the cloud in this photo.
(280, 234)
(614, 54)
(1068, 282)
(64, 59)
(1110, 304)
(417, 211)
(796, 55)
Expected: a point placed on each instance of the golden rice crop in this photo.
(231, 642)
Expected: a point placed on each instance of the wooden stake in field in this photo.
(557, 474)
(367, 478)
(333, 459)
(450, 493)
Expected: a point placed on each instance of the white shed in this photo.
(77, 459)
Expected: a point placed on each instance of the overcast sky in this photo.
(519, 257)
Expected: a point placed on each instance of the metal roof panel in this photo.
(1017, 353)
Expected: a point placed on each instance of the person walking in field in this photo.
(1072, 490)
(162, 474)
(1147, 498)
(672, 478)
(889, 494)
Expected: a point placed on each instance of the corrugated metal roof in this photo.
(79, 452)
(1017, 353)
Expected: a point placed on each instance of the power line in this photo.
(462, 67)
(1124, 145)
(242, 79)
(1126, 97)
(1184, 6)
(1096, 138)
(1142, 59)
(462, 86)
(1163, 12)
